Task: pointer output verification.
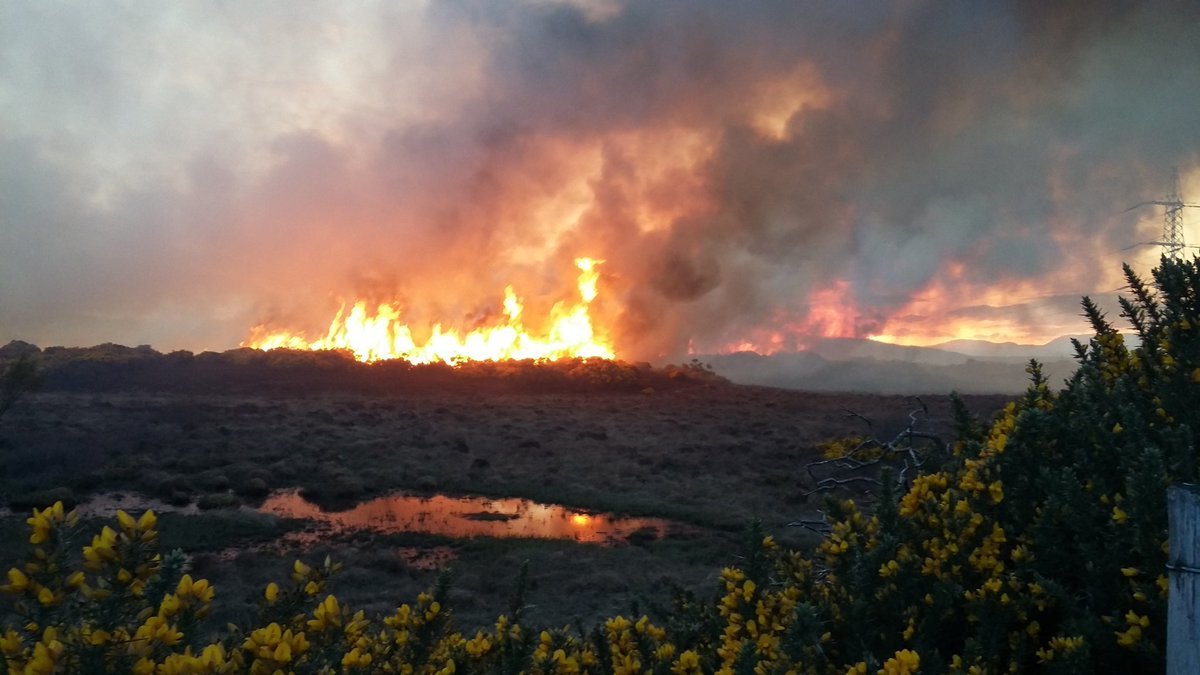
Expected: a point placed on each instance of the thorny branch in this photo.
(907, 451)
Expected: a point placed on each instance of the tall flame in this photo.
(381, 335)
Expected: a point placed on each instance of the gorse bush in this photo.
(1037, 544)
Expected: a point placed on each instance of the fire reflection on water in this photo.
(468, 517)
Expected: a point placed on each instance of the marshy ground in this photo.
(709, 457)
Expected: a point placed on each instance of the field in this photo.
(967, 560)
(709, 456)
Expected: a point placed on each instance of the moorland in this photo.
(205, 439)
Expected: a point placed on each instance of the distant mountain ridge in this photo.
(1057, 348)
(856, 365)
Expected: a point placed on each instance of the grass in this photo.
(714, 457)
(215, 531)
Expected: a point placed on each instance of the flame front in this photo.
(381, 335)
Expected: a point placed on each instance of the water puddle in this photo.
(470, 517)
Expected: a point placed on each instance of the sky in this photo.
(752, 174)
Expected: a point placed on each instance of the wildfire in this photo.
(381, 335)
(830, 312)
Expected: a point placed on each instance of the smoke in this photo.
(179, 175)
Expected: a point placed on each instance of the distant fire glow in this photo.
(830, 313)
(382, 335)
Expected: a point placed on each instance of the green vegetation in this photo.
(1036, 544)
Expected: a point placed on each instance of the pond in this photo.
(470, 517)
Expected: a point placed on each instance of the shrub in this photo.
(218, 500)
(1039, 545)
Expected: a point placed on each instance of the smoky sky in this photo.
(174, 174)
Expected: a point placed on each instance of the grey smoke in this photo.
(173, 176)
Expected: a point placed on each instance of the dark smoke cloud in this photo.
(176, 176)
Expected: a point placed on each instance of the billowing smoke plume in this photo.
(751, 173)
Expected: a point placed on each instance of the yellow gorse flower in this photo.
(904, 662)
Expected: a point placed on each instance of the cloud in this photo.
(175, 176)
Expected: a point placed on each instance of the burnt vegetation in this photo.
(112, 367)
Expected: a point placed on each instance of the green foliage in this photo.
(1040, 545)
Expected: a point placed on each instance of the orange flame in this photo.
(830, 312)
(382, 336)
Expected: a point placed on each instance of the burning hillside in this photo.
(285, 371)
(381, 334)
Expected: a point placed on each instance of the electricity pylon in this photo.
(1172, 237)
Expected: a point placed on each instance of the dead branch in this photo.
(907, 452)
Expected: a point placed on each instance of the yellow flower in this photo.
(356, 658)
(687, 664)
(147, 521)
(300, 571)
(1118, 515)
(271, 593)
(200, 590)
(327, 615)
(17, 581)
(46, 596)
(999, 443)
(1019, 553)
(996, 490)
(44, 522)
(101, 550)
(169, 606)
(905, 662)
(156, 629)
(1133, 619)
(126, 521)
(10, 643)
(1129, 637)
(479, 645)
